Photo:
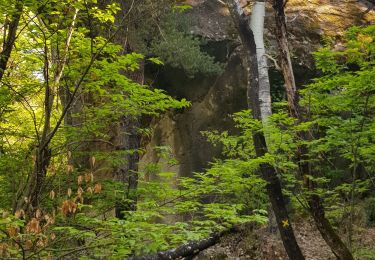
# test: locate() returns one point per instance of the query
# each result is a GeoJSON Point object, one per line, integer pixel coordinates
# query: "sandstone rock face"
{"type": "Point", "coordinates": [215, 98]}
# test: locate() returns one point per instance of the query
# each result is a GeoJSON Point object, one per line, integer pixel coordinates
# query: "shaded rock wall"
{"type": "Point", "coordinates": [213, 100]}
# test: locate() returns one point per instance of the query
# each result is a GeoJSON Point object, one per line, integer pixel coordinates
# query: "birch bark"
{"type": "Point", "coordinates": [257, 26]}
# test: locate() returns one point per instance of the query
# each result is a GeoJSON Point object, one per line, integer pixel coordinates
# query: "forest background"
{"type": "Point", "coordinates": [81, 97]}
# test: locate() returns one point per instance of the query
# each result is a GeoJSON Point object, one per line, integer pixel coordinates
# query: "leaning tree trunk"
{"type": "Point", "coordinates": [316, 207]}
{"type": "Point", "coordinates": [273, 186]}
{"type": "Point", "coordinates": [11, 28]}
{"type": "Point", "coordinates": [257, 26]}
{"type": "Point", "coordinates": [285, 60]}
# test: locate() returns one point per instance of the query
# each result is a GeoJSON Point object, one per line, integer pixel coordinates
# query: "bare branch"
{"type": "Point", "coordinates": [274, 61]}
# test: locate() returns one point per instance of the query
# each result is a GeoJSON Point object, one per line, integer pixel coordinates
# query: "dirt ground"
{"type": "Point", "coordinates": [261, 244]}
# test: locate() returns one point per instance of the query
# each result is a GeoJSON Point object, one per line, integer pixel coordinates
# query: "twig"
{"type": "Point", "coordinates": [274, 61]}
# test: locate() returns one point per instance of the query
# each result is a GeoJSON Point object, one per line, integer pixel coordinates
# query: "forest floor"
{"type": "Point", "coordinates": [261, 244]}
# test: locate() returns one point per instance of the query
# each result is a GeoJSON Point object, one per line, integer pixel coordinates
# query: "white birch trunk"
{"type": "Point", "coordinates": [257, 26]}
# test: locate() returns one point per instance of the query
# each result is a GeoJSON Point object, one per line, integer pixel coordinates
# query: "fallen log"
{"type": "Point", "coordinates": [189, 249]}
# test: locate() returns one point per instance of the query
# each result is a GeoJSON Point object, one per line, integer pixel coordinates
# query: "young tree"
{"type": "Point", "coordinates": [43, 152]}
{"type": "Point", "coordinates": [273, 186]}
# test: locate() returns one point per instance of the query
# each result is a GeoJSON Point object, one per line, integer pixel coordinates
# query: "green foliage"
{"type": "Point", "coordinates": [165, 31]}
{"type": "Point", "coordinates": [182, 8]}
{"type": "Point", "coordinates": [342, 102]}
{"type": "Point", "coordinates": [178, 48]}
{"type": "Point", "coordinates": [341, 107]}
{"type": "Point", "coordinates": [75, 217]}
{"type": "Point", "coordinates": [365, 253]}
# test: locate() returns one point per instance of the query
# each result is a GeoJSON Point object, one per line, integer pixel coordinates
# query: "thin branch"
{"type": "Point", "coordinates": [62, 64]}
{"type": "Point", "coordinates": [84, 248]}
{"type": "Point", "coordinates": [274, 61]}
{"type": "Point", "coordinates": [27, 107]}
{"type": "Point", "coordinates": [77, 86]}
{"type": "Point", "coordinates": [221, 2]}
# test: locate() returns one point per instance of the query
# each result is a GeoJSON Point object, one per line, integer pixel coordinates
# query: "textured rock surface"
{"type": "Point", "coordinates": [213, 102]}
{"type": "Point", "coordinates": [215, 98]}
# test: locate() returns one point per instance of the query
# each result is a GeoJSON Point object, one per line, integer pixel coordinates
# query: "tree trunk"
{"type": "Point", "coordinates": [188, 250]}
{"type": "Point", "coordinates": [285, 60]}
{"type": "Point", "coordinates": [268, 172]}
{"type": "Point", "coordinates": [10, 37]}
{"type": "Point", "coordinates": [315, 202]}
{"type": "Point", "coordinates": [128, 138]}
{"type": "Point", "coordinates": [43, 152]}
{"type": "Point", "coordinates": [257, 26]}
{"type": "Point", "coordinates": [339, 249]}
{"type": "Point", "coordinates": [42, 160]}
